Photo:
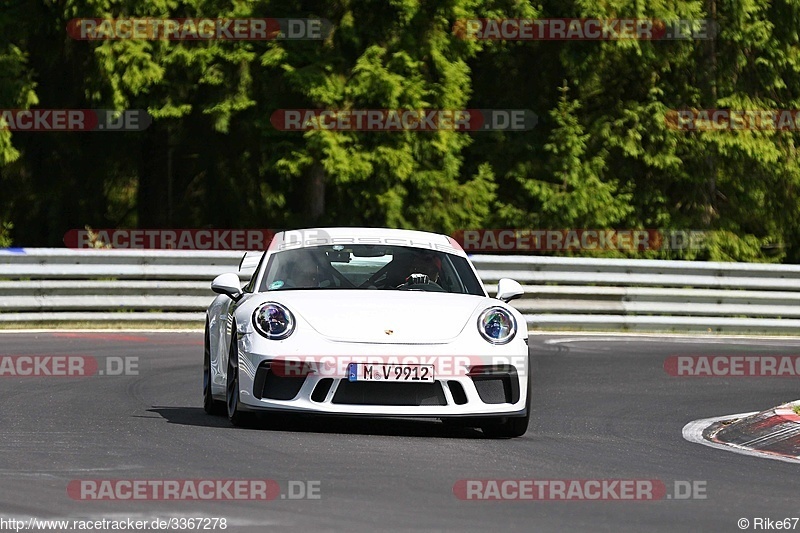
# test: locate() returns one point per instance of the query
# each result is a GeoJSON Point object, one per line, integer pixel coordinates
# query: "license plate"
{"type": "Point", "coordinates": [381, 372]}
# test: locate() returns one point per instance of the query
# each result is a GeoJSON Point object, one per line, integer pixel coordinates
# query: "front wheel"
{"type": "Point", "coordinates": [507, 427]}
{"type": "Point", "coordinates": [210, 405]}
{"type": "Point", "coordinates": [235, 414]}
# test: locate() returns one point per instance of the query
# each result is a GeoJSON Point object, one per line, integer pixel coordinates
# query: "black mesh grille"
{"type": "Point", "coordinates": [493, 390]}
{"type": "Point", "coordinates": [371, 393]}
{"type": "Point", "coordinates": [496, 384]}
{"type": "Point", "coordinates": [272, 387]}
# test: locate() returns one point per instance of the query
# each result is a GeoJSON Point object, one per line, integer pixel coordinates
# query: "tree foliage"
{"type": "Point", "coordinates": [601, 156]}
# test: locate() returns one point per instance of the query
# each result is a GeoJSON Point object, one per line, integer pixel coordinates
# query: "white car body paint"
{"type": "Point", "coordinates": [353, 322]}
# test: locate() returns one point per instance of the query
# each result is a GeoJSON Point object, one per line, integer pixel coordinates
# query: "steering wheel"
{"type": "Point", "coordinates": [426, 286]}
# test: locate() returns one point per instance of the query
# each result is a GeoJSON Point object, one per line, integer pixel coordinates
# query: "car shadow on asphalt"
{"type": "Point", "coordinates": [400, 427]}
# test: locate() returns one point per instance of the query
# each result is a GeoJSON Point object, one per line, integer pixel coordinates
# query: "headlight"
{"type": "Point", "coordinates": [497, 325]}
{"type": "Point", "coordinates": [273, 321]}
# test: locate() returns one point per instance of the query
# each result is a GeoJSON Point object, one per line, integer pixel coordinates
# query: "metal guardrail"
{"type": "Point", "coordinates": [54, 285]}
{"type": "Point", "coordinates": [153, 286]}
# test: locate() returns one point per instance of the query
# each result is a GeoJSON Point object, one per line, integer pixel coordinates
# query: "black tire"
{"type": "Point", "coordinates": [235, 414]}
{"type": "Point", "coordinates": [210, 405]}
{"type": "Point", "coordinates": [509, 427]}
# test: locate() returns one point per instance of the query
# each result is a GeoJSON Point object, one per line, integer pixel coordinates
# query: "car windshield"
{"type": "Point", "coordinates": [364, 266]}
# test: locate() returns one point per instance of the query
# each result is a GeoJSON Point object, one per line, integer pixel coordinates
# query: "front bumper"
{"type": "Point", "coordinates": [494, 383]}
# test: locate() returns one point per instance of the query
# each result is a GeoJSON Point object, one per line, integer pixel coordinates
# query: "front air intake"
{"type": "Point", "coordinates": [371, 393]}
{"type": "Point", "coordinates": [321, 390]}
{"type": "Point", "coordinates": [268, 385]}
{"type": "Point", "coordinates": [459, 396]}
{"type": "Point", "coordinates": [496, 384]}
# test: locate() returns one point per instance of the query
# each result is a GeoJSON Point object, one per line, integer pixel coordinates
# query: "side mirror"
{"type": "Point", "coordinates": [227, 284]}
{"type": "Point", "coordinates": [508, 289]}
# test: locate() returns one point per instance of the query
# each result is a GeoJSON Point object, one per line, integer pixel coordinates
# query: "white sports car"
{"type": "Point", "coordinates": [368, 322]}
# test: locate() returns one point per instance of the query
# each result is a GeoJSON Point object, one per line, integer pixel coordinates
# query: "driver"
{"type": "Point", "coordinates": [424, 268]}
{"type": "Point", "coordinates": [303, 272]}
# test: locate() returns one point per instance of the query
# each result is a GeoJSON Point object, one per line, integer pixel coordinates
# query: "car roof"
{"type": "Point", "coordinates": [306, 238]}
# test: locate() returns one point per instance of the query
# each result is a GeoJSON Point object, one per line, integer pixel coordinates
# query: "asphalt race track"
{"type": "Point", "coordinates": [603, 408]}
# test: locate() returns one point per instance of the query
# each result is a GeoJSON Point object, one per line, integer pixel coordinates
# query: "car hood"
{"type": "Point", "coordinates": [385, 317]}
